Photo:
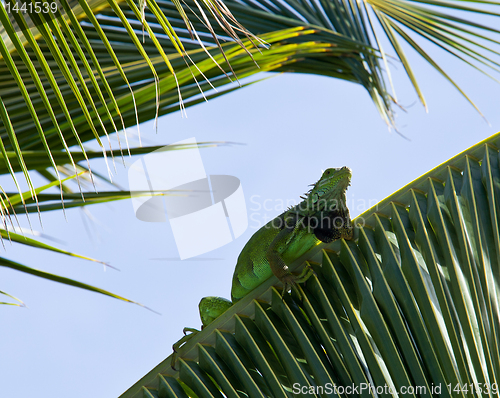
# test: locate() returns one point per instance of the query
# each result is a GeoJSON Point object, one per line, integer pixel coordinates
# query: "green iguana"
{"type": "Point", "coordinates": [321, 217]}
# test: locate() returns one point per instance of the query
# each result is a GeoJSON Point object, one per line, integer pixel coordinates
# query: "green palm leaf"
{"type": "Point", "coordinates": [10, 203]}
{"type": "Point", "coordinates": [48, 64]}
{"type": "Point", "coordinates": [18, 304]}
{"type": "Point", "coordinates": [410, 304]}
{"type": "Point", "coordinates": [37, 201]}
{"type": "Point", "coordinates": [86, 71]}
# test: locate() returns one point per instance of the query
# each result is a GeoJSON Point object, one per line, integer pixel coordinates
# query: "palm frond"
{"type": "Point", "coordinates": [455, 27]}
{"type": "Point", "coordinates": [4, 262]}
{"type": "Point", "coordinates": [57, 96]}
{"type": "Point", "coordinates": [456, 35]}
{"type": "Point", "coordinates": [36, 160]}
{"type": "Point", "coordinates": [125, 80]}
{"type": "Point", "coordinates": [12, 204]}
{"type": "Point", "coordinates": [18, 304]}
{"type": "Point", "coordinates": [409, 306]}
{"type": "Point", "coordinates": [50, 67]}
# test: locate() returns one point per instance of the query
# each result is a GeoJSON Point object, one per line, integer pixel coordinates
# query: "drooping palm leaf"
{"type": "Point", "coordinates": [86, 71]}
{"type": "Point", "coordinates": [37, 160]}
{"type": "Point", "coordinates": [50, 52]}
{"type": "Point", "coordinates": [4, 262]}
{"type": "Point", "coordinates": [47, 202]}
{"type": "Point", "coordinates": [12, 204]}
{"type": "Point", "coordinates": [411, 302]}
{"type": "Point", "coordinates": [9, 204]}
{"type": "Point", "coordinates": [146, 87]}
{"type": "Point", "coordinates": [456, 27]}
{"type": "Point", "coordinates": [18, 304]}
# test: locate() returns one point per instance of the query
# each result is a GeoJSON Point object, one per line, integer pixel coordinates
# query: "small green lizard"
{"type": "Point", "coordinates": [322, 216]}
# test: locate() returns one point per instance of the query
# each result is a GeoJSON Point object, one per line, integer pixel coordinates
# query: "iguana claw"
{"type": "Point", "coordinates": [176, 346]}
{"type": "Point", "coordinates": [289, 280]}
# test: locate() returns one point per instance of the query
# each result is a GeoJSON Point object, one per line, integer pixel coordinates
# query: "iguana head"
{"type": "Point", "coordinates": [324, 210]}
{"type": "Point", "coordinates": [328, 193]}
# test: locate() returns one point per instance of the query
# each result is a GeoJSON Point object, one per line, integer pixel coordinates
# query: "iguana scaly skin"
{"type": "Point", "coordinates": [321, 217]}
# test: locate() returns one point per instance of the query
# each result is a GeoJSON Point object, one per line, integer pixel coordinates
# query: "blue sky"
{"type": "Point", "coordinates": [70, 341]}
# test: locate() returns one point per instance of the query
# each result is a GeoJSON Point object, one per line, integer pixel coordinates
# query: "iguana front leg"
{"type": "Point", "coordinates": [332, 225]}
{"type": "Point", "coordinates": [277, 264]}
